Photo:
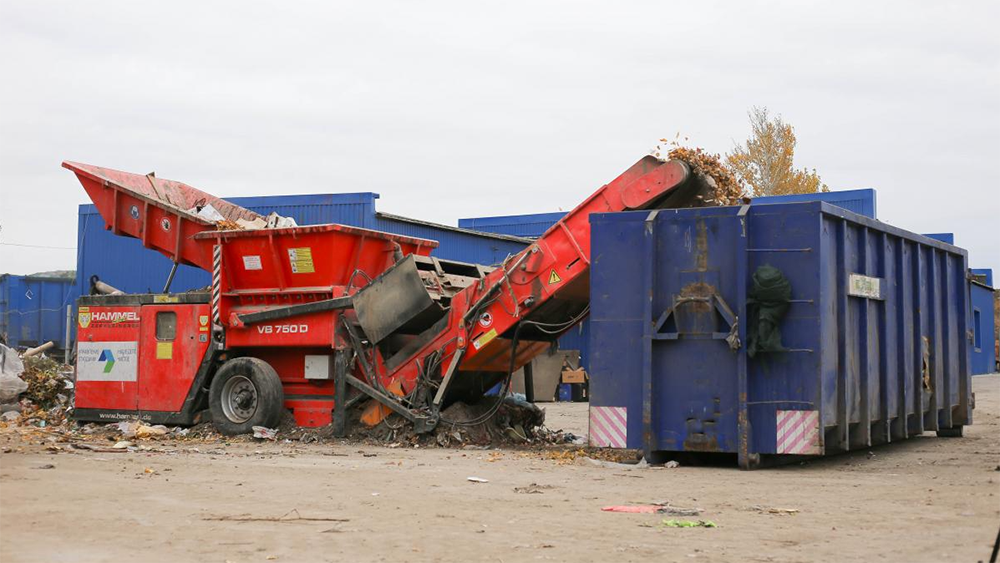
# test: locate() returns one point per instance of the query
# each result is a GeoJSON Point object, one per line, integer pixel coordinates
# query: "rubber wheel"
{"type": "Point", "coordinates": [245, 392]}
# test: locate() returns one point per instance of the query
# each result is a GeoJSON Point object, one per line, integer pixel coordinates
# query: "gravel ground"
{"type": "Point", "coordinates": [926, 499]}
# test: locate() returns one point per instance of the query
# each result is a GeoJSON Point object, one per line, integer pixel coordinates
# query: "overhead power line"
{"type": "Point", "coordinates": [38, 246]}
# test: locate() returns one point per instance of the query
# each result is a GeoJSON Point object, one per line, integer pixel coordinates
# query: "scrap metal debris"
{"type": "Point", "coordinates": [689, 524]}
{"type": "Point", "coordinates": [290, 516]}
{"type": "Point", "coordinates": [532, 489]}
{"type": "Point", "coordinates": [772, 510]}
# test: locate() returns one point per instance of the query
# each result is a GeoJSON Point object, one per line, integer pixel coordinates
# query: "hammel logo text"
{"type": "Point", "coordinates": [86, 317]}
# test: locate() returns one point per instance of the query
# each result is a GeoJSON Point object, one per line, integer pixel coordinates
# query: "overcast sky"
{"type": "Point", "coordinates": [468, 109]}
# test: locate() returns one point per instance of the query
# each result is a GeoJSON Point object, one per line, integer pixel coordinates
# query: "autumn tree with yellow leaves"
{"type": "Point", "coordinates": [764, 163]}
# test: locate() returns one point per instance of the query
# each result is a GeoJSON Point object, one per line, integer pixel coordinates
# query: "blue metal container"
{"type": "Point", "coordinates": [565, 393]}
{"type": "Point", "coordinates": [861, 201]}
{"type": "Point", "coordinates": [874, 334]}
{"type": "Point", "coordinates": [33, 309]}
{"type": "Point", "coordinates": [983, 346]}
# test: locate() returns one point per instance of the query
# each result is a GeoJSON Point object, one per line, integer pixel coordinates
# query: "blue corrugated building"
{"type": "Point", "coordinates": [33, 309]}
{"type": "Point", "coordinates": [947, 238]}
{"type": "Point", "coordinates": [860, 201]}
{"type": "Point", "coordinates": [126, 265]}
{"type": "Point", "coordinates": [984, 352]}
{"type": "Point", "coordinates": [982, 349]}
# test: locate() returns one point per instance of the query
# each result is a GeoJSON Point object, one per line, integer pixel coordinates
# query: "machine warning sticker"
{"type": "Point", "coordinates": [554, 277]}
{"type": "Point", "coordinates": [253, 263]}
{"type": "Point", "coordinates": [107, 361]}
{"type": "Point", "coordinates": [165, 299]}
{"type": "Point", "coordinates": [301, 260]}
{"type": "Point", "coordinates": [485, 320]}
{"type": "Point", "coordinates": [203, 323]}
{"type": "Point", "coordinates": [484, 338]}
{"type": "Point", "coordinates": [164, 350]}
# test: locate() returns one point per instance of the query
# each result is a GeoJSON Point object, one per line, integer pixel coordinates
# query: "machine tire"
{"type": "Point", "coordinates": [244, 393]}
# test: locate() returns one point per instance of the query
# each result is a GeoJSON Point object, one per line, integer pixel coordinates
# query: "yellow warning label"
{"type": "Point", "coordinates": [301, 260]}
{"type": "Point", "coordinates": [165, 299]}
{"type": "Point", "coordinates": [484, 338]}
{"type": "Point", "coordinates": [554, 277]}
{"type": "Point", "coordinates": [164, 350]}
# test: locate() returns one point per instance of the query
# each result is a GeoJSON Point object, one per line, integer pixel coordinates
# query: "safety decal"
{"type": "Point", "coordinates": [203, 322]}
{"type": "Point", "coordinates": [301, 260]}
{"type": "Point", "coordinates": [107, 361]}
{"type": "Point", "coordinates": [252, 262]}
{"type": "Point", "coordinates": [798, 432]}
{"type": "Point", "coordinates": [485, 320]}
{"type": "Point", "coordinates": [554, 277]}
{"type": "Point", "coordinates": [484, 338]}
{"type": "Point", "coordinates": [165, 299]}
{"type": "Point", "coordinates": [608, 427]}
{"type": "Point", "coordinates": [164, 350]}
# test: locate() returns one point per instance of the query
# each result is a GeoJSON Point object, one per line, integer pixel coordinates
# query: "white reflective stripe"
{"type": "Point", "coordinates": [797, 432]}
{"type": "Point", "coordinates": [608, 427]}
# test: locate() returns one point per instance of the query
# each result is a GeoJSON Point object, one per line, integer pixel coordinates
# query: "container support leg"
{"type": "Point", "coordinates": [340, 393]}
{"type": "Point", "coordinates": [529, 383]}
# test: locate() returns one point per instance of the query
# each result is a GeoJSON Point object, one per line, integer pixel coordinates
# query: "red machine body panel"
{"type": "Point", "coordinates": [172, 343]}
{"type": "Point", "coordinates": [156, 211]}
{"type": "Point", "coordinates": [107, 357]}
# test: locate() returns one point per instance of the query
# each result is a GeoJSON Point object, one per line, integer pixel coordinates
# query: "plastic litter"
{"type": "Point", "coordinates": [11, 367]}
{"type": "Point", "coordinates": [660, 508]}
{"type": "Point", "coordinates": [265, 433]}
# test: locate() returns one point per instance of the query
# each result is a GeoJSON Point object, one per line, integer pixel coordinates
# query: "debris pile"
{"type": "Point", "coordinates": [726, 188]}
{"type": "Point", "coordinates": [514, 422]}
{"type": "Point", "coordinates": [34, 389]}
{"type": "Point", "coordinates": [47, 382]}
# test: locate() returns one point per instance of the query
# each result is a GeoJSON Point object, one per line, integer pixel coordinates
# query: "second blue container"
{"type": "Point", "coordinates": [873, 343]}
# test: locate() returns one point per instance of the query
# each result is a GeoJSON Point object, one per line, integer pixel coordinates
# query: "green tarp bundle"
{"type": "Point", "coordinates": [767, 303]}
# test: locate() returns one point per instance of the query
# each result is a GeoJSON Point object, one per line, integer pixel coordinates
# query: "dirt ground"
{"type": "Point", "coordinates": [927, 499]}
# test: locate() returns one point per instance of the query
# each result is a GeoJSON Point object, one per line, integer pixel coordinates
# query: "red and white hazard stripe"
{"type": "Point", "coordinates": [608, 427]}
{"type": "Point", "coordinates": [216, 282]}
{"type": "Point", "coordinates": [798, 432]}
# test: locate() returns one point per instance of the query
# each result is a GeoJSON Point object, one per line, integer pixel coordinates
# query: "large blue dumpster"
{"type": "Point", "coordinates": [872, 344]}
{"type": "Point", "coordinates": [33, 309]}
